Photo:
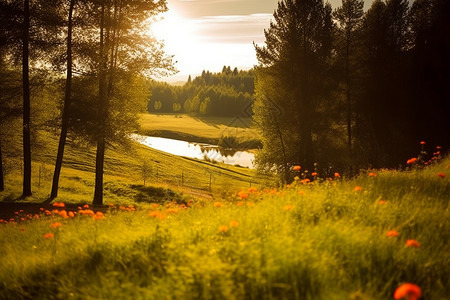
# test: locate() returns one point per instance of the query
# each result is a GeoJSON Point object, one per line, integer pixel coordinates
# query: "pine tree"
{"type": "Point", "coordinates": [295, 58]}
{"type": "Point", "coordinates": [349, 18]}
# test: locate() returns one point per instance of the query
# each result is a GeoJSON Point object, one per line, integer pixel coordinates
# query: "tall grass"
{"type": "Point", "coordinates": [325, 240]}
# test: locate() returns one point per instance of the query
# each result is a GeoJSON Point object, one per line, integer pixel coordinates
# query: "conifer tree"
{"type": "Point", "coordinates": [296, 57]}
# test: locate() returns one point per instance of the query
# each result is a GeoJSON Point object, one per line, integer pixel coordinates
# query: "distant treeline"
{"type": "Point", "coordinates": [228, 93]}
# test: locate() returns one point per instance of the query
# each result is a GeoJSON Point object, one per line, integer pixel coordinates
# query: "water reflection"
{"type": "Point", "coordinates": [197, 150]}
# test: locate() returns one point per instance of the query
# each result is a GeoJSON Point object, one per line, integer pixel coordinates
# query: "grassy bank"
{"type": "Point", "coordinates": [126, 171]}
{"type": "Point", "coordinates": [229, 132]}
{"type": "Point", "coordinates": [327, 240]}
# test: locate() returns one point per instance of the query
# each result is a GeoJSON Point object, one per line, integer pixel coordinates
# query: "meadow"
{"type": "Point", "coordinates": [211, 130]}
{"type": "Point", "coordinates": [333, 238]}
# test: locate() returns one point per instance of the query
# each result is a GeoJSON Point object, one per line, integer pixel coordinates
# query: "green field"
{"type": "Point", "coordinates": [200, 129]}
{"type": "Point", "coordinates": [126, 168]}
{"type": "Point", "coordinates": [321, 240]}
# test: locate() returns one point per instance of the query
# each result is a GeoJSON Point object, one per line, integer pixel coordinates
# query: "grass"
{"type": "Point", "coordinates": [321, 240]}
{"type": "Point", "coordinates": [125, 171]}
{"type": "Point", "coordinates": [210, 130]}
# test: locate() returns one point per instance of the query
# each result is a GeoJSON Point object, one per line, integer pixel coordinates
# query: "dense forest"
{"type": "Point", "coordinates": [346, 89]}
{"type": "Point", "coordinates": [228, 93]}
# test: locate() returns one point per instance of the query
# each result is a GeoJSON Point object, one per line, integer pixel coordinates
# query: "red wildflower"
{"type": "Point", "coordinates": [243, 195]}
{"type": "Point", "coordinates": [252, 189]}
{"type": "Point", "coordinates": [55, 225]}
{"type": "Point", "coordinates": [442, 175]}
{"type": "Point", "coordinates": [357, 188]}
{"type": "Point", "coordinates": [422, 143]}
{"type": "Point", "coordinates": [392, 233]}
{"type": "Point", "coordinates": [411, 161]}
{"type": "Point", "coordinates": [48, 235]}
{"type": "Point", "coordinates": [98, 215]}
{"type": "Point", "coordinates": [412, 244]}
{"type": "Point", "coordinates": [409, 291]}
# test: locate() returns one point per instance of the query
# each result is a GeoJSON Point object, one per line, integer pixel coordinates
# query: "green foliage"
{"type": "Point", "coordinates": [229, 93]}
{"type": "Point", "coordinates": [322, 240]}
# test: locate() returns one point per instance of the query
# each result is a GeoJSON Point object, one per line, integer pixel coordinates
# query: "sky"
{"type": "Point", "coordinates": [210, 34]}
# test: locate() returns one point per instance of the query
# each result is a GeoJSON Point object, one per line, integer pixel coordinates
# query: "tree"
{"type": "Point", "coordinates": [349, 17]}
{"type": "Point", "coordinates": [66, 108]}
{"type": "Point", "coordinates": [386, 82]}
{"type": "Point", "coordinates": [430, 26]}
{"type": "Point", "coordinates": [295, 60]}
{"type": "Point", "coordinates": [123, 51]}
{"type": "Point", "coordinates": [26, 101]}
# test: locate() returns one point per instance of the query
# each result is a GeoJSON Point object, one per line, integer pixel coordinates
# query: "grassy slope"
{"type": "Point", "coordinates": [321, 241]}
{"type": "Point", "coordinates": [123, 174]}
{"type": "Point", "coordinates": [198, 129]}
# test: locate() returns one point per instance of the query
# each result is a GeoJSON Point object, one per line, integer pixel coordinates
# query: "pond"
{"type": "Point", "coordinates": [197, 150]}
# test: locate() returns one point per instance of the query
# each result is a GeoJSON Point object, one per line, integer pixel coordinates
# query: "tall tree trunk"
{"type": "Point", "coordinates": [349, 105]}
{"type": "Point", "coordinates": [66, 110]}
{"type": "Point", "coordinates": [2, 183]}
{"type": "Point", "coordinates": [102, 113]}
{"type": "Point", "coordinates": [26, 102]}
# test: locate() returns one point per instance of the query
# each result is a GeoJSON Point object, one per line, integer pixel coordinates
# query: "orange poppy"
{"type": "Point", "coordinates": [55, 225]}
{"type": "Point", "coordinates": [409, 291]}
{"type": "Point", "coordinates": [223, 228]}
{"type": "Point", "coordinates": [243, 195]}
{"type": "Point", "coordinates": [412, 244]}
{"type": "Point", "coordinates": [234, 223]}
{"type": "Point", "coordinates": [371, 174]}
{"type": "Point", "coordinates": [392, 233]}
{"type": "Point", "coordinates": [296, 168]}
{"type": "Point", "coordinates": [48, 235]}
{"type": "Point", "coordinates": [337, 175]}
{"type": "Point", "coordinates": [442, 175]}
{"type": "Point", "coordinates": [357, 188]}
{"type": "Point", "coordinates": [252, 189]}
{"type": "Point", "coordinates": [98, 215]}
{"type": "Point", "coordinates": [411, 161]}
{"type": "Point", "coordinates": [314, 174]}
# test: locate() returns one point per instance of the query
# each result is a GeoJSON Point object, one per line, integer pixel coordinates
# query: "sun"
{"type": "Point", "coordinates": [180, 38]}
{"type": "Point", "coordinates": [169, 27]}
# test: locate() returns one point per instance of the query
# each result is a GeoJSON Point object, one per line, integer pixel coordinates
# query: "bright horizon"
{"type": "Point", "coordinates": [210, 34]}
